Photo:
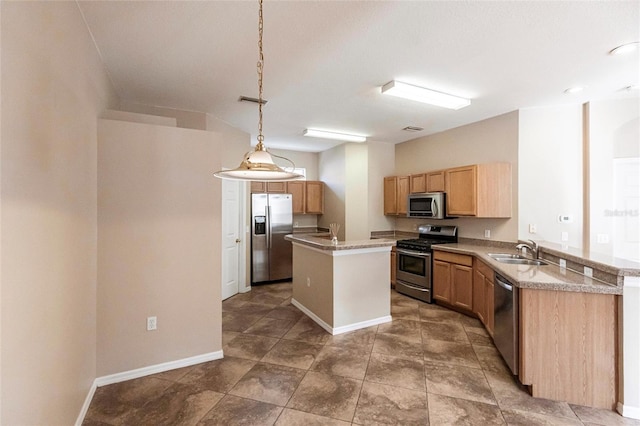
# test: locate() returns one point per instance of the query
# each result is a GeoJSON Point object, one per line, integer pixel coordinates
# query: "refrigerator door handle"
{"type": "Point", "coordinates": [268, 230]}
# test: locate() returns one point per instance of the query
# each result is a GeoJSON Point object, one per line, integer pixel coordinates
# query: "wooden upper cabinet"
{"type": "Point", "coordinates": [480, 190]}
{"type": "Point", "coordinates": [390, 197]}
{"type": "Point", "coordinates": [435, 181]}
{"type": "Point", "coordinates": [276, 187]}
{"type": "Point", "coordinates": [314, 197]}
{"type": "Point", "coordinates": [297, 190]}
{"type": "Point", "coordinates": [257, 187]}
{"type": "Point", "coordinates": [396, 190]}
{"type": "Point", "coordinates": [418, 183]}
{"type": "Point", "coordinates": [402, 193]}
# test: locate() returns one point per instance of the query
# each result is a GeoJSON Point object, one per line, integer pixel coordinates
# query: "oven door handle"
{"type": "Point", "coordinates": [414, 287]}
{"type": "Point", "coordinates": [412, 253]}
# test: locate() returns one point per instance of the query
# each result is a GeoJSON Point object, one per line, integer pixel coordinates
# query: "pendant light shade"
{"type": "Point", "coordinates": [258, 165]}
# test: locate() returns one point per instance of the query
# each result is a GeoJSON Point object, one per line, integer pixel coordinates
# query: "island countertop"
{"type": "Point", "coordinates": [547, 277]}
{"type": "Point", "coordinates": [322, 241]}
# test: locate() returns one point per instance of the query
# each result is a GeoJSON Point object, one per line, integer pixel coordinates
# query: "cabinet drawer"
{"type": "Point", "coordinates": [459, 259]}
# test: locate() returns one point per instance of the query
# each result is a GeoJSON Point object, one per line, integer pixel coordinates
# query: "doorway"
{"type": "Point", "coordinates": [233, 242]}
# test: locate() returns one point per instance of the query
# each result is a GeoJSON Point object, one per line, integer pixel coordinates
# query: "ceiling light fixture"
{"type": "Point", "coordinates": [258, 164]}
{"type": "Point", "coordinates": [625, 48]}
{"type": "Point", "coordinates": [427, 96]}
{"type": "Point", "coordinates": [573, 90]}
{"type": "Point", "coordinates": [314, 133]}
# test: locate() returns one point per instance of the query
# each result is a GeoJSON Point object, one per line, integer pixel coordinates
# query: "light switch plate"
{"type": "Point", "coordinates": [563, 263]}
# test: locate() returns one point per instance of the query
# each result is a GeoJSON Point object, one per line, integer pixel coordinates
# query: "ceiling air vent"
{"type": "Point", "coordinates": [413, 129]}
{"type": "Point", "coordinates": [253, 100]}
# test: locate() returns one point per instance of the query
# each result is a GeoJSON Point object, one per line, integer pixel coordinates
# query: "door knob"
{"type": "Point", "coordinates": [238, 240]}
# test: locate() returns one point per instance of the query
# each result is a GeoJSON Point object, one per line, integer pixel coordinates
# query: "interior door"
{"type": "Point", "coordinates": [230, 237]}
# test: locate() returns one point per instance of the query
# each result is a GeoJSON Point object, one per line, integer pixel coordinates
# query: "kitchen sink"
{"type": "Point", "coordinates": [516, 259]}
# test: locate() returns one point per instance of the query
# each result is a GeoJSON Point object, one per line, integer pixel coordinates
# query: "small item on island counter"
{"type": "Point", "coordinates": [333, 231]}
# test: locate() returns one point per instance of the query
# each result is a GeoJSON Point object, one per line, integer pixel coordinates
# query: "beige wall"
{"type": "Point", "coordinates": [550, 173]}
{"type": "Point", "coordinates": [331, 170]}
{"type": "Point", "coordinates": [356, 221]}
{"type": "Point", "coordinates": [491, 140]}
{"type": "Point", "coordinates": [381, 163]}
{"type": "Point", "coordinates": [158, 221]}
{"type": "Point", "coordinates": [317, 295]}
{"type": "Point", "coordinates": [185, 119]}
{"type": "Point", "coordinates": [53, 88]}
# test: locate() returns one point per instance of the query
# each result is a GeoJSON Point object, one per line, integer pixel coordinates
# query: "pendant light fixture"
{"type": "Point", "coordinates": [258, 164]}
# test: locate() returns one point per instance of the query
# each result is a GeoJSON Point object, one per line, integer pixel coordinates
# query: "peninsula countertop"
{"type": "Point", "coordinates": [322, 241]}
{"type": "Point", "coordinates": [546, 277]}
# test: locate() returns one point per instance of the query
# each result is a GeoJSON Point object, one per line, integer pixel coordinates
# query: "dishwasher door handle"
{"type": "Point", "coordinates": [504, 285]}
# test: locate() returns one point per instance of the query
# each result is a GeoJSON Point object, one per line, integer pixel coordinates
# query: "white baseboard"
{"type": "Point", "coordinates": [341, 329]}
{"type": "Point", "coordinates": [628, 411]}
{"type": "Point", "coordinates": [158, 368]}
{"type": "Point", "coordinates": [85, 406]}
{"type": "Point", "coordinates": [362, 324]}
{"type": "Point", "coordinates": [141, 372]}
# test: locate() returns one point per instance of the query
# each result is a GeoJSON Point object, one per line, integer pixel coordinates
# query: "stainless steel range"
{"type": "Point", "coordinates": [414, 264]}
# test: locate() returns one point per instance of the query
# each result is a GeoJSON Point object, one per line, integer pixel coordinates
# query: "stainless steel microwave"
{"type": "Point", "coordinates": [428, 204]}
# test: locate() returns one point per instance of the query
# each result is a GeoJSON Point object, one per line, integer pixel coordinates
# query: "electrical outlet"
{"type": "Point", "coordinates": [487, 233]}
{"type": "Point", "coordinates": [308, 282]}
{"type": "Point", "coordinates": [295, 224]}
{"type": "Point", "coordinates": [533, 228]}
{"type": "Point", "coordinates": [563, 263]}
{"type": "Point", "coordinates": [588, 272]}
{"type": "Point", "coordinates": [603, 238]}
{"type": "Point", "coordinates": [152, 323]}
{"type": "Point", "coordinates": [564, 236]}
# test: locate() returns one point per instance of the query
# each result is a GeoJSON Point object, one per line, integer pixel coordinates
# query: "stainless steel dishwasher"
{"type": "Point", "coordinates": [506, 321]}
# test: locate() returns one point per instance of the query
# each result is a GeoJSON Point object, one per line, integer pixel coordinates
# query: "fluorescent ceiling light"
{"type": "Point", "coordinates": [421, 94]}
{"type": "Point", "coordinates": [572, 90]}
{"type": "Point", "coordinates": [625, 48]}
{"type": "Point", "coordinates": [334, 135]}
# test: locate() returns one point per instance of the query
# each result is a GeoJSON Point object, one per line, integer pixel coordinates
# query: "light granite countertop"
{"type": "Point", "coordinates": [321, 241]}
{"type": "Point", "coordinates": [546, 277]}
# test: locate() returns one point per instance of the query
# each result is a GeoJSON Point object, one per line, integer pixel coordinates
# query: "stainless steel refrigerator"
{"type": "Point", "coordinates": [271, 254]}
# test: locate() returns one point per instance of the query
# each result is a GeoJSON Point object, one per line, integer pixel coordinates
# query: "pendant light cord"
{"type": "Point", "coordinates": [260, 146]}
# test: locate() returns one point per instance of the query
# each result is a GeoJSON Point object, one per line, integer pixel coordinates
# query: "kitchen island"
{"type": "Point", "coordinates": [343, 286]}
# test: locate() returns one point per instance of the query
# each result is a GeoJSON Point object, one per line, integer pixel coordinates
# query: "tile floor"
{"type": "Point", "coordinates": [429, 366]}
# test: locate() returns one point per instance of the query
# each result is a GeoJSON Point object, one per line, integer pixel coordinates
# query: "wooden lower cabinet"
{"type": "Point", "coordinates": [483, 294]}
{"type": "Point", "coordinates": [453, 279]}
{"type": "Point", "coordinates": [394, 260]}
{"type": "Point", "coordinates": [568, 346]}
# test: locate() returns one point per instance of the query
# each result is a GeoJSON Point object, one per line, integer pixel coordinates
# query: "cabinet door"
{"type": "Point", "coordinates": [258, 187]}
{"type": "Point", "coordinates": [393, 266]}
{"type": "Point", "coordinates": [314, 199]}
{"type": "Point", "coordinates": [390, 197]}
{"type": "Point", "coordinates": [435, 181]}
{"type": "Point", "coordinates": [297, 191]}
{"type": "Point", "coordinates": [280, 187]}
{"type": "Point", "coordinates": [488, 283]}
{"type": "Point", "coordinates": [418, 183]}
{"type": "Point", "coordinates": [442, 281]}
{"type": "Point", "coordinates": [479, 298]}
{"type": "Point", "coordinates": [402, 193]}
{"type": "Point", "coordinates": [462, 286]}
{"type": "Point", "coordinates": [461, 185]}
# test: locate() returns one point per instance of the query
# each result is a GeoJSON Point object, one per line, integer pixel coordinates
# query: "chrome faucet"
{"type": "Point", "coordinates": [532, 246]}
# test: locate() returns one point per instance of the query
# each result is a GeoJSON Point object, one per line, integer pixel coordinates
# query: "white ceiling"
{"type": "Point", "coordinates": [326, 60]}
